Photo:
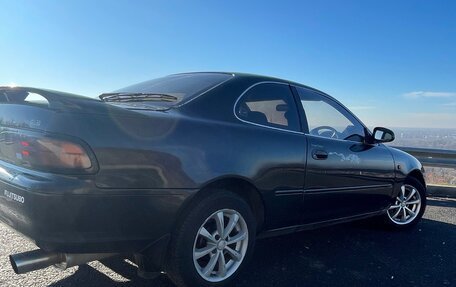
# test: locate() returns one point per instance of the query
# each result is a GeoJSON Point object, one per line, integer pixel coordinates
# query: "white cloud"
{"type": "Point", "coordinates": [423, 94]}
{"type": "Point", "coordinates": [453, 104]}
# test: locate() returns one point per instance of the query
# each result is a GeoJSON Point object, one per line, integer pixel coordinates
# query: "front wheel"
{"type": "Point", "coordinates": [213, 242]}
{"type": "Point", "coordinates": [409, 205]}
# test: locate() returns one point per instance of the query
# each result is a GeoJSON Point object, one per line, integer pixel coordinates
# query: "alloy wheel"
{"type": "Point", "coordinates": [406, 206]}
{"type": "Point", "coordinates": [220, 245]}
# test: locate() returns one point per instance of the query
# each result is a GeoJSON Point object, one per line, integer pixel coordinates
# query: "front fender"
{"type": "Point", "coordinates": [404, 166]}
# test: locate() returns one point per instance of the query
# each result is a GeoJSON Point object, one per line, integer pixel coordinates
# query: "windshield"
{"type": "Point", "coordinates": [172, 90]}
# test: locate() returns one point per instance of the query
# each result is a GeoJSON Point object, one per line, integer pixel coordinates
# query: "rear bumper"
{"type": "Point", "coordinates": [70, 214]}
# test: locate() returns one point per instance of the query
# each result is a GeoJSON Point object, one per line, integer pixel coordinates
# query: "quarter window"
{"type": "Point", "coordinates": [271, 105]}
{"type": "Point", "coordinates": [326, 118]}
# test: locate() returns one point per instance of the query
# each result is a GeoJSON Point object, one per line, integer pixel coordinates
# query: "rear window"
{"type": "Point", "coordinates": [182, 86]}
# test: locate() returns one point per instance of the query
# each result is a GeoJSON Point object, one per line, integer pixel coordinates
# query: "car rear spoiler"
{"type": "Point", "coordinates": [44, 97]}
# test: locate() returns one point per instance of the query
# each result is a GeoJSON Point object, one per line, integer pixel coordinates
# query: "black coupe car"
{"type": "Point", "coordinates": [184, 172]}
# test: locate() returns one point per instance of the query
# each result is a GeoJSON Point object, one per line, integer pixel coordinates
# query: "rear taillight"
{"type": "Point", "coordinates": [47, 153]}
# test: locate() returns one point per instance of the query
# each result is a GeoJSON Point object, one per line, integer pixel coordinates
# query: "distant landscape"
{"type": "Point", "coordinates": [426, 138]}
{"type": "Point", "coordinates": [430, 138]}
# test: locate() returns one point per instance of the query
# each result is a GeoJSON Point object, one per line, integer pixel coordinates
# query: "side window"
{"type": "Point", "coordinates": [270, 105]}
{"type": "Point", "coordinates": [327, 118]}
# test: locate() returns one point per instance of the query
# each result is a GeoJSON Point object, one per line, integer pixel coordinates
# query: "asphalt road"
{"type": "Point", "coordinates": [355, 254]}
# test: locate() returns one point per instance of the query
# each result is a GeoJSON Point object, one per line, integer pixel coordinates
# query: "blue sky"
{"type": "Point", "coordinates": [392, 62]}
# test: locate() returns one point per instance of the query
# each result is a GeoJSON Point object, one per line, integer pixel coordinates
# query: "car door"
{"type": "Point", "coordinates": [344, 176]}
{"type": "Point", "coordinates": [274, 144]}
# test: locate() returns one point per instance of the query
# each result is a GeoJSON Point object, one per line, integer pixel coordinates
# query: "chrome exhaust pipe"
{"type": "Point", "coordinates": [39, 259]}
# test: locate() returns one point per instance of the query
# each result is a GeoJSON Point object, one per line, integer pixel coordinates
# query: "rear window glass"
{"type": "Point", "coordinates": [181, 86]}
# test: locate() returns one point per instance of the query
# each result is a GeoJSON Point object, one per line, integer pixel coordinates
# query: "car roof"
{"type": "Point", "coordinates": [259, 78]}
{"type": "Point", "coordinates": [262, 78]}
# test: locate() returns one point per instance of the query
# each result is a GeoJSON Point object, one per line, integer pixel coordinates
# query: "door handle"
{"type": "Point", "coordinates": [319, 154]}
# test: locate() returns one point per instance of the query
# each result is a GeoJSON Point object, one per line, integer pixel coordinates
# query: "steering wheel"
{"type": "Point", "coordinates": [325, 131]}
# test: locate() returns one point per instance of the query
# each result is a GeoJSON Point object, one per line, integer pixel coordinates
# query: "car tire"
{"type": "Point", "coordinates": [189, 260]}
{"type": "Point", "coordinates": [409, 206]}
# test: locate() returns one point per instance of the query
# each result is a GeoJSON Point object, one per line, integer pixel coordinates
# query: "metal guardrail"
{"type": "Point", "coordinates": [435, 158]}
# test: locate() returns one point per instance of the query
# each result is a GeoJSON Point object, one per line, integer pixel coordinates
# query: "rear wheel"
{"type": "Point", "coordinates": [213, 242]}
{"type": "Point", "coordinates": [409, 205]}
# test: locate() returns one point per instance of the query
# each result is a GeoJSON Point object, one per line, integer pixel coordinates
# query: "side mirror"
{"type": "Point", "coordinates": [382, 135]}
